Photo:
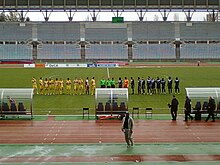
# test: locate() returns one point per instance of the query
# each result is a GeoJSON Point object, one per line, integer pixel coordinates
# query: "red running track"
{"type": "Point", "coordinates": [51, 131]}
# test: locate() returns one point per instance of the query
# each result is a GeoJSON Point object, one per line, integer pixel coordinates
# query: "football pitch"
{"type": "Point", "coordinates": [72, 104]}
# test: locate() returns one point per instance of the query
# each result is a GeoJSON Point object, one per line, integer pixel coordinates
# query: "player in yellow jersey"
{"type": "Point", "coordinates": [61, 86]}
{"type": "Point", "coordinates": [34, 85]}
{"type": "Point", "coordinates": [46, 86]}
{"type": "Point", "coordinates": [81, 86]}
{"type": "Point", "coordinates": [41, 85]}
{"type": "Point", "coordinates": [51, 86]}
{"type": "Point", "coordinates": [93, 86]}
{"type": "Point", "coordinates": [68, 86]}
{"type": "Point", "coordinates": [56, 86]}
{"type": "Point", "coordinates": [75, 86]}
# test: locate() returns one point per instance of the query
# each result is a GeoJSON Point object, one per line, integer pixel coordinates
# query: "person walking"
{"type": "Point", "coordinates": [127, 128]}
{"type": "Point", "coordinates": [174, 108]}
{"type": "Point", "coordinates": [211, 109]}
{"type": "Point", "coordinates": [187, 109]}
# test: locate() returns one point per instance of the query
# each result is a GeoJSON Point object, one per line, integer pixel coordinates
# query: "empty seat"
{"type": "Point", "coordinates": [107, 106]}
{"type": "Point", "coordinates": [100, 107]}
{"type": "Point", "coordinates": [205, 105]}
{"type": "Point", "coordinates": [21, 108]}
{"type": "Point", "coordinates": [122, 106]}
{"type": "Point", "coordinates": [85, 112]}
{"type": "Point", "coordinates": [5, 107]}
{"type": "Point", "coordinates": [148, 112]}
{"type": "Point", "coordinates": [198, 106]}
{"type": "Point", "coordinates": [114, 106]}
{"type": "Point", "coordinates": [135, 111]}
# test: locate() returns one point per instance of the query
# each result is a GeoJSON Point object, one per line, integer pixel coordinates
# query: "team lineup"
{"type": "Point", "coordinates": [78, 86]}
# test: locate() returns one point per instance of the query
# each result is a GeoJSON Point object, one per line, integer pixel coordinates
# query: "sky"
{"type": "Point", "coordinates": [107, 16]}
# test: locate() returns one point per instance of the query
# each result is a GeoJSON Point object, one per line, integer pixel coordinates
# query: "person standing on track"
{"type": "Point", "coordinates": [127, 128]}
{"type": "Point", "coordinates": [174, 108]}
{"type": "Point", "coordinates": [187, 109]}
{"type": "Point", "coordinates": [211, 109]}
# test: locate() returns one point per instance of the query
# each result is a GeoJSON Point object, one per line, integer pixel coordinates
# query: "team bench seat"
{"type": "Point", "coordinates": [200, 110]}
{"type": "Point", "coordinates": [14, 110]}
{"type": "Point", "coordinates": [110, 114]}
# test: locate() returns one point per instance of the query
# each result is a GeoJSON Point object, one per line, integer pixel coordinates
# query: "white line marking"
{"type": "Point", "coordinates": [108, 72]}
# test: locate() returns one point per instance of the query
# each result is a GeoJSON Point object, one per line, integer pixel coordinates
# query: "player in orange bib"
{"type": "Point", "coordinates": [126, 83]}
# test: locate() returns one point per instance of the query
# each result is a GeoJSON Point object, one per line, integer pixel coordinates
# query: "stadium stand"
{"type": "Point", "coordinates": [106, 51]}
{"type": "Point", "coordinates": [12, 31]}
{"type": "Point", "coordinates": [15, 52]}
{"type": "Point", "coordinates": [200, 51]}
{"type": "Point", "coordinates": [153, 51]}
{"type": "Point", "coordinates": [59, 51]}
{"type": "Point", "coordinates": [106, 34]}
{"type": "Point", "coordinates": [58, 32]}
{"type": "Point", "coordinates": [142, 31]}
{"type": "Point", "coordinates": [199, 31]}
{"type": "Point", "coordinates": [85, 41]}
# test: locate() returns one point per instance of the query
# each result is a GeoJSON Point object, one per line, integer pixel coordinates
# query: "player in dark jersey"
{"type": "Point", "coordinates": [158, 84]}
{"type": "Point", "coordinates": [177, 88]}
{"type": "Point", "coordinates": [139, 85]}
{"type": "Point", "coordinates": [149, 85]}
{"type": "Point", "coordinates": [163, 84]}
{"type": "Point", "coordinates": [143, 85]}
{"type": "Point", "coordinates": [120, 82]}
{"type": "Point", "coordinates": [170, 85]}
{"type": "Point", "coordinates": [153, 82]}
{"type": "Point", "coordinates": [132, 85]}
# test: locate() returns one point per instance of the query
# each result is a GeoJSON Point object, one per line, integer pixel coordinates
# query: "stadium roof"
{"type": "Point", "coordinates": [109, 5]}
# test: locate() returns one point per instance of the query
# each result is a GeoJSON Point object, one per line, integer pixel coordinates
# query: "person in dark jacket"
{"type": "Point", "coordinates": [211, 109]}
{"type": "Point", "coordinates": [127, 128]}
{"type": "Point", "coordinates": [187, 109]}
{"type": "Point", "coordinates": [174, 108]}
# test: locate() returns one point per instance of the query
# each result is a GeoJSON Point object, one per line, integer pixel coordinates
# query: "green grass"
{"type": "Point", "coordinates": [65, 104]}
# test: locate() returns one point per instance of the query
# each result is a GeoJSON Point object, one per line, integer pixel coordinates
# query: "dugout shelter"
{"type": "Point", "coordinates": [16, 102]}
{"type": "Point", "coordinates": [200, 97]}
{"type": "Point", "coordinates": [111, 102]}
